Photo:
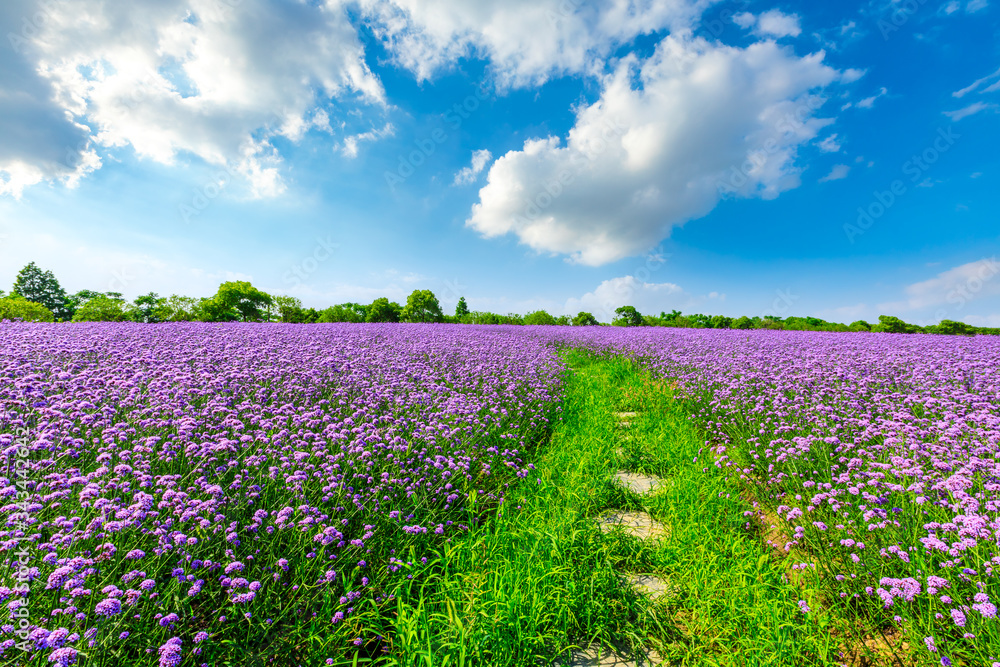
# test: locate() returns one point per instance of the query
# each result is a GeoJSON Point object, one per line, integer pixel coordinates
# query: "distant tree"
{"type": "Point", "coordinates": [539, 317]}
{"type": "Point", "coordinates": [150, 308]}
{"type": "Point", "coordinates": [953, 328]}
{"type": "Point", "coordinates": [721, 322]}
{"type": "Point", "coordinates": [40, 286]}
{"type": "Point", "coordinates": [669, 319]}
{"type": "Point", "coordinates": [563, 320]}
{"type": "Point", "coordinates": [181, 308]}
{"type": "Point", "coordinates": [422, 306]}
{"type": "Point", "coordinates": [342, 312]}
{"type": "Point", "coordinates": [891, 324]}
{"type": "Point", "coordinates": [16, 307]}
{"type": "Point", "coordinates": [238, 300]}
{"type": "Point", "coordinates": [743, 322]}
{"type": "Point", "coordinates": [75, 301]}
{"type": "Point", "coordinates": [584, 319]}
{"type": "Point", "coordinates": [102, 308]}
{"type": "Point", "coordinates": [860, 325]}
{"type": "Point", "coordinates": [462, 309]}
{"type": "Point", "coordinates": [383, 310]}
{"type": "Point", "coordinates": [628, 316]}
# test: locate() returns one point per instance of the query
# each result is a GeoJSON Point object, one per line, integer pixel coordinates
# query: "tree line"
{"type": "Point", "coordinates": [38, 297]}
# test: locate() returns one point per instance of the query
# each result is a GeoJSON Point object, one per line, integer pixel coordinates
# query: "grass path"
{"type": "Point", "coordinates": [539, 580]}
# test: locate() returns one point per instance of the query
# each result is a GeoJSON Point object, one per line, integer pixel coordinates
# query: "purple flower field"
{"type": "Point", "coordinates": [167, 486]}
{"type": "Point", "coordinates": [880, 452]}
{"type": "Point", "coordinates": [172, 481]}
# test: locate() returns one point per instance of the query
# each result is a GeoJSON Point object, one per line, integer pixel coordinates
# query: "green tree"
{"type": "Point", "coordinates": [102, 308]}
{"type": "Point", "coordinates": [584, 319]}
{"type": "Point", "coordinates": [890, 324]}
{"type": "Point", "coordinates": [743, 322]}
{"type": "Point", "coordinates": [150, 308]}
{"type": "Point", "coordinates": [628, 316]}
{"type": "Point", "coordinates": [238, 300]}
{"type": "Point", "coordinates": [953, 328]}
{"type": "Point", "coordinates": [539, 317]}
{"type": "Point", "coordinates": [860, 325]}
{"type": "Point", "coordinates": [383, 310]}
{"type": "Point", "coordinates": [40, 286]}
{"type": "Point", "coordinates": [462, 309]}
{"type": "Point", "coordinates": [16, 307]}
{"type": "Point", "coordinates": [422, 306]}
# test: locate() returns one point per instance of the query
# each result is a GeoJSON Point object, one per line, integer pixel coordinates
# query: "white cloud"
{"type": "Point", "coordinates": [771, 23]}
{"type": "Point", "coordinates": [995, 76]}
{"type": "Point", "coordinates": [830, 144]}
{"type": "Point", "coordinates": [974, 6]}
{"type": "Point", "coordinates": [708, 119]}
{"type": "Point", "coordinates": [526, 41]}
{"type": "Point", "coordinates": [646, 297]}
{"type": "Point", "coordinates": [956, 286]}
{"type": "Point", "coordinates": [350, 147]}
{"type": "Point", "coordinates": [838, 172]}
{"type": "Point", "coordinates": [468, 174]}
{"type": "Point", "coordinates": [211, 79]}
{"type": "Point", "coordinates": [869, 102]}
{"type": "Point", "coordinates": [970, 110]}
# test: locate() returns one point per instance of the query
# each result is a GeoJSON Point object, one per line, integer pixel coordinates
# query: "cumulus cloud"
{"type": "Point", "coordinates": [526, 41]}
{"type": "Point", "coordinates": [771, 23]}
{"type": "Point", "coordinates": [667, 139]}
{"type": "Point", "coordinates": [468, 174]}
{"type": "Point", "coordinates": [838, 172]}
{"type": "Point", "coordinates": [212, 79]}
{"type": "Point", "coordinates": [829, 144]}
{"type": "Point", "coordinates": [646, 297]}
{"type": "Point", "coordinates": [956, 286]}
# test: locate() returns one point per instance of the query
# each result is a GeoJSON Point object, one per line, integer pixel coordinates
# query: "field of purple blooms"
{"type": "Point", "coordinates": [880, 453]}
{"type": "Point", "coordinates": [172, 492]}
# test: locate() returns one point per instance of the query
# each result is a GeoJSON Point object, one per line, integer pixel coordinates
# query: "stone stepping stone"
{"type": "Point", "coordinates": [653, 586]}
{"type": "Point", "coordinates": [637, 524]}
{"type": "Point", "coordinates": [637, 482]}
{"type": "Point", "coordinates": [601, 656]}
{"type": "Point", "coordinates": [626, 415]}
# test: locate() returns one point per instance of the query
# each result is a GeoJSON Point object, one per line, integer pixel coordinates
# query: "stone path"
{"type": "Point", "coordinates": [644, 527]}
{"type": "Point", "coordinates": [637, 524]}
{"type": "Point", "coordinates": [597, 656]}
{"type": "Point", "coordinates": [637, 482]}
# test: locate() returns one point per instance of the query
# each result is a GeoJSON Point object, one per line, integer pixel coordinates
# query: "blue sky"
{"type": "Point", "coordinates": [833, 159]}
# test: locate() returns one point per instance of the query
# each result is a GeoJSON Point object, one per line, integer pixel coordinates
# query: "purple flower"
{"type": "Point", "coordinates": [108, 607]}
{"type": "Point", "coordinates": [170, 653]}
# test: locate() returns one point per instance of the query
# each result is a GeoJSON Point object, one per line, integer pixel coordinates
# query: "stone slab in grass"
{"type": "Point", "coordinates": [638, 524]}
{"type": "Point", "coordinates": [626, 415]}
{"type": "Point", "coordinates": [653, 586]}
{"type": "Point", "coordinates": [600, 656]}
{"type": "Point", "coordinates": [637, 482]}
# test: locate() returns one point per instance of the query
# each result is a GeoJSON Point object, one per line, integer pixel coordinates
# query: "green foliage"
{"type": "Point", "coordinates": [539, 317]}
{"type": "Point", "coordinates": [743, 322]}
{"type": "Point", "coordinates": [628, 316]}
{"type": "Point", "coordinates": [40, 286]}
{"type": "Point", "coordinates": [344, 312]}
{"type": "Point", "coordinates": [952, 328]}
{"type": "Point", "coordinates": [422, 306]}
{"type": "Point", "coordinates": [860, 325]}
{"type": "Point", "coordinates": [237, 300]}
{"type": "Point", "coordinates": [383, 310]}
{"type": "Point", "coordinates": [16, 307]}
{"type": "Point", "coordinates": [462, 309]}
{"type": "Point", "coordinates": [102, 308]}
{"type": "Point", "coordinates": [150, 308]}
{"type": "Point", "coordinates": [584, 319]}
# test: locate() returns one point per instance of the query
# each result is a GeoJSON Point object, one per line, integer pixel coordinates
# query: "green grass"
{"type": "Point", "coordinates": [537, 578]}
